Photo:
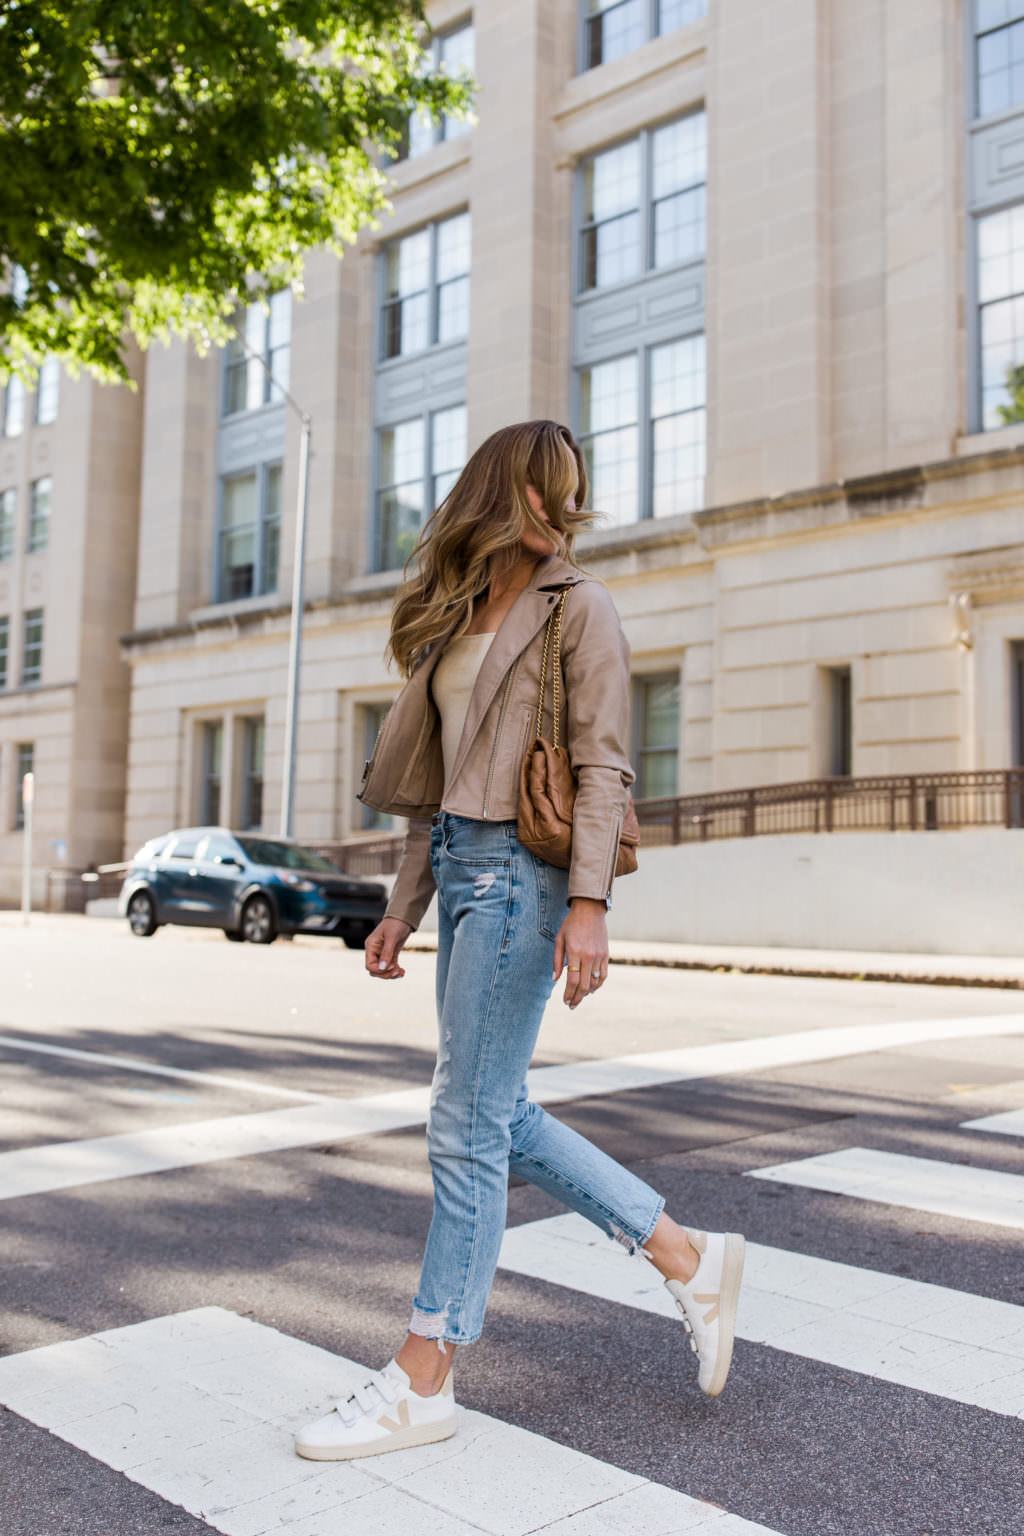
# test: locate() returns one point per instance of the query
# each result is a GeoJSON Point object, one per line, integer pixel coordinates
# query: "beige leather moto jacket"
{"type": "Point", "coordinates": [406, 774]}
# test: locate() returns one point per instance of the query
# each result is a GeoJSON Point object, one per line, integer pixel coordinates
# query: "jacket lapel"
{"type": "Point", "coordinates": [527, 616]}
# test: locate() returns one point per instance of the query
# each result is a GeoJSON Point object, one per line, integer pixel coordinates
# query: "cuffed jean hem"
{"type": "Point", "coordinates": [630, 1240]}
{"type": "Point", "coordinates": [434, 1325]}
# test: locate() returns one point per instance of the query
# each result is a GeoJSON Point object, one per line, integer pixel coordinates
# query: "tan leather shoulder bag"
{"type": "Point", "coordinates": [547, 784]}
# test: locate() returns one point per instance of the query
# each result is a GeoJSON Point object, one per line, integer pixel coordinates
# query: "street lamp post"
{"type": "Point", "coordinates": [291, 718]}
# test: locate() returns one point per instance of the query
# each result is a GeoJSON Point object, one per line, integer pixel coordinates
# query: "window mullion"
{"type": "Point", "coordinates": [428, 467]}
{"type": "Point", "coordinates": [645, 435]}
{"type": "Point", "coordinates": [433, 307]}
{"type": "Point", "coordinates": [652, 18]}
{"type": "Point", "coordinates": [646, 206]}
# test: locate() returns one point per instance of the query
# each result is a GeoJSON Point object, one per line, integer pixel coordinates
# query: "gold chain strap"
{"type": "Point", "coordinates": [553, 626]}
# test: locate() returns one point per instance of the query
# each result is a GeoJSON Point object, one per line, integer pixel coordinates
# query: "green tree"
{"type": "Point", "coordinates": [1008, 414]}
{"type": "Point", "coordinates": [158, 159]}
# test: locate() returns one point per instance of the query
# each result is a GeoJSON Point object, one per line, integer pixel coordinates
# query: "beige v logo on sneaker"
{"type": "Point", "coordinates": [403, 1419]}
{"type": "Point", "coordinates": [714, 1304]}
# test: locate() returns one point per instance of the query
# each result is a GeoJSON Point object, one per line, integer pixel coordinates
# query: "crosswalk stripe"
{"type": "Point", "coordinates": [69, 1165]}
{"type": "Point", "coordinates": [949, 1343]}
{"type": "Point", "coordinates": [156, 1069]}
{"type": "Point", "coordinates": [1009, 1124]}
{"type": "Point", "coordinates": [915, 1183]}
{"type": "Point", "coordinates": [199, 1408]}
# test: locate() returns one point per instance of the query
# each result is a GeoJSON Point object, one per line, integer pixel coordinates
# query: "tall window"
{"type": "Point", "coordinates": [426, 288]}
{"type": "Point", "coordinates": [47, 392]}
{"type": "Point", "coordinates": [263, 330]}
{"type": "Point", "coordinates": [14, 407]}
{"type": "Point", "coordinates": [643, 428]}
{"type": "Point", "coordinates": [999, 77]}
{"type": "Point", "coordinates": [250, 533]}
{"type": "Point", "coordinates": [8, 507]}
{"type": "Point", "coordinates": [26, 758]}
{"type": "Point", "coordinates": [39, 514]}
{"type": "Point", "coordinates": [253, 735]}
{"type": "Point", "coordinates": [32, 647]}
{"type": "Point", "coordinates": [452, 53]}
{"type": "Point", "coordinates": [840, 703]}
{"type": "Point", "coordinates": [656, 728]}
{"type": "Point", "coordinates": [371, 718]}
{"type": "Point", "coordinates": [644, 204]}
{"type": "Point", "coordinates": [614, 27]}
{"type": "Point", "coordinates": [1001, 300]}
{"type": "Point", "coordinates": [5, 649]}
{"type": "Point", "coordinates": [1017, 703]}
{"type": "Point", "coordinates": [419, 461]}
{"type": "Point", "coordinates": [213, 746]}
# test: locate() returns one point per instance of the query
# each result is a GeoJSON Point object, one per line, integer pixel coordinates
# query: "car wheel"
{"type": "Point", "coordinates": [258, 924]}
{"type": "Point", "coordinates": [234, 935]}
{"type": "Point", "coordinates": [142, 914]}
{"type": "Point", "coordinates": [356, 935]}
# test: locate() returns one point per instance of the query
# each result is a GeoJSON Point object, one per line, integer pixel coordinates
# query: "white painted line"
{"type": "Point", "coordinates": [1009, 1124]}
{"type": "Point", "coordinates": [915, 1183]}
{"type": "Point", "coordinates": [70, 1164]}
{"type": "Point", "coordinates": [66, 1165]}
{"type": "Point", "coordinates": [966, 1348]}
{"type": "Point", "coordinates": [199, 1409]}
{"type": "Point", "coordinates": [132, 1064]}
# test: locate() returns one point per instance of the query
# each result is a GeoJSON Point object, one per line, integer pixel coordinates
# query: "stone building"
{"type": "Point", "coordinates": [768, 261]}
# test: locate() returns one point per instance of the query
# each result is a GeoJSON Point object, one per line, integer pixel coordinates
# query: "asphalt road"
{"type": "Point", "coordinates": [841, 1422]}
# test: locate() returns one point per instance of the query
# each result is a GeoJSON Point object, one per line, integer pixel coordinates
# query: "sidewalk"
{"type": "Point", "coordinates": [856, 965]}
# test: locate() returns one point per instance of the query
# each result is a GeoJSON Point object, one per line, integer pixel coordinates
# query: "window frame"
{"type": "Point", "coordinates": [262, 474]}
{"type": "Point", "coordinates": [427, 479]}
{"type": "Point", "coordinates": [47, 387]}
{"type": "Point", "coordinates": [207, 731]}
{"type": "Point", "coordinates": [432, 290]}
{"type": "Point", "coordinates": [249, 777]}
{"type": "Point", "coordinates": [370, 717]}
{"type": "Point", "coordinates": [20, 748]}
{"type": "Point", "coordinates": [645, 420]}
{"type": "Point", "coordinates": [976, 34]}
{"type": "Point", "coordinates": [231, 365]}
{"type": "Point", "coordinates": [30, 617]}
{"type": "Point", "coordinates": [35, 544]}
{"type": "Point", "coordinates": [652, 29]}
{"type": "Point", "coordinates": [439, 133]}
{"type": "Point", "coordinates": [645, 206]}
{"type": "Point", "coordinates": [14, 390]}
{"type": "Point", "coordinates": [8, 526]}
{"type": "Point", "coordinates": [640, 681]}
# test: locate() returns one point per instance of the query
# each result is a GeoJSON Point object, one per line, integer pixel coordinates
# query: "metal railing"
{"type": "Point", "coordinates": [902, 802]}
{"type": "Point", "coordinates": [364, 855]}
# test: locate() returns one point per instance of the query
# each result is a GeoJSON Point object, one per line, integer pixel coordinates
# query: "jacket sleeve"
{"type": "Point", "coordinates": [595, 664]}
{"type": "Point", "coordinates": [414, 883]}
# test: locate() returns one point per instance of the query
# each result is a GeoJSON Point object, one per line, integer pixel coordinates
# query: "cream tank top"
{"type": "Point", "coordinates": [452, 685]}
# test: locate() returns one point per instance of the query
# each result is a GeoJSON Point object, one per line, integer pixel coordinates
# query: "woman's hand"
{"type": "Point", "coordinates": [582, 947]}
{"type": "Point", "coordinates": [384, 946]}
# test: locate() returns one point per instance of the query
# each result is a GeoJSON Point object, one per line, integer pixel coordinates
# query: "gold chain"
{"type": "Point", "coordinates": [553, 625]}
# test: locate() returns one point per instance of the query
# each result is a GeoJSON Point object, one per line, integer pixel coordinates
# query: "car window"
{"type": "Point", "coordinates": [153, 849]}
{"type": "Point", "coordinates": [219, 848]}
{"type": "Point", "coordinates": [184, 847]}
{"type": "Point", "coordinates": [265, 850]}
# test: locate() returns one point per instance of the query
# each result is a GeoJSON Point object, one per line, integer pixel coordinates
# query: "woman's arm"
{"type": "Point", "coordinates": [595, 663]}
{"type": "Point", "coordinates": [410, 898]}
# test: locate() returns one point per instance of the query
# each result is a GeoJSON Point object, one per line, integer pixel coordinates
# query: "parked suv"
{"type": "Point", "coordinates": [253, 887]}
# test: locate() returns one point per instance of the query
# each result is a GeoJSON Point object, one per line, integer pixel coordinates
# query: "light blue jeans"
{"type": "Point", "coordinates": [499, 909]}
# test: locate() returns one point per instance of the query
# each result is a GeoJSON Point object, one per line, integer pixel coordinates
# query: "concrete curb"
{"type": "Point", "coordinates": [920, 974]}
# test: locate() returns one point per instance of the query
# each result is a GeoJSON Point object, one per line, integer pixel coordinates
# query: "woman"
{"type": "Point", "coordinates": [468, 632]}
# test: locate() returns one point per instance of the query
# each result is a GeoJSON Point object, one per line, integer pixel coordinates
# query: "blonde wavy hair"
{"type": "Point", "coordinates": [478, 527]}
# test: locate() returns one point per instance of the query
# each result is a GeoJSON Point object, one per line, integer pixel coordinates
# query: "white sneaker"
{"type": "Point", "coordinates": [708, 1304]}
{"type": "Point", "coordinates": [384, 1415]}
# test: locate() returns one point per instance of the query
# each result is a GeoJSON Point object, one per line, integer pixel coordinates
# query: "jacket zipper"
{"type": "Point", "coordinates": [497, 738]}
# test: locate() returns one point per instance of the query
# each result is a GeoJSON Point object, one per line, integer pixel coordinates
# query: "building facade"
{"type": "Point", "coordinates": [768, 261]}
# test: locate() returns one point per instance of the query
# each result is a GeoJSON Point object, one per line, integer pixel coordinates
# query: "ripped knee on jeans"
{"type": "Point", "coordinates": [430, 1325]}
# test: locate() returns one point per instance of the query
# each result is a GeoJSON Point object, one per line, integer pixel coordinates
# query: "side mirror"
{"type": "Point", "coordinates": [228, 859]}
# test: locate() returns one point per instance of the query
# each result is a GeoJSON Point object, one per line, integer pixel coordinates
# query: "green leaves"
{"type": "Point", "coordinates": [156, 160]}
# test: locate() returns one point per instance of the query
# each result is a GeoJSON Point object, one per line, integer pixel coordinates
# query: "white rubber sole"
{"type": "Point", "coordinates": [398, 1440]}
{"type": "Point", "coordinates": [732, 1277]}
